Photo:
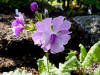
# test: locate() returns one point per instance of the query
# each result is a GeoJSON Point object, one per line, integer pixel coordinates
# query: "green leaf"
{"type": "Point", "coordinates": [98, 39]}
{"type": "Point", "coordinates": [71, 64]}
{"type": "Point", "coordinates": [71, 54]}
{"type": "Point", "coordinates": [39, 16]}
{"type": "Point", "coordinates": [92, 56]}
{"type": "Point", "coordinates": [83, 53]}
{"type": "Point", "coordinates": [55, 3]}
{"type": "Point", "coordinates": [96, 51]}
{"type": "Point", "coordinates": [42, 67]}
{"type": "Point", "coordinates": [97, 71]}
{"type": "Point", "coordinates": [31, 27]}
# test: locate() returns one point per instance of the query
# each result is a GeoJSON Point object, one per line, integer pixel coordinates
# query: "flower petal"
{"type": "Point", "coordinates": [44, 26]}
{"type": "Point", "coordinates": [65, 26]}
{"type": "Point", "coordinates": [37, 38]}
{"type": "Point", "coordinates": [57, 47]}
{"type": "Point", "coordinates": [17, 30]}
{"type": "Point", "coordinates": [42, 39]}
{"type": "Point", "coordinates": [47, 45]}
{"type": "Point", "coordinates": [19, 20]}
{"type": "Point", "coordinates": [61, 40]}
{"type": "Point", "coordinates": [14, 23]}
{"type": "Point", "coordinates": [57, 22]}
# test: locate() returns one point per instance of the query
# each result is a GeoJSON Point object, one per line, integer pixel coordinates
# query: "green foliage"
{"type": "Point", "coordinates": [96, 49]}
{"type": "Point", "coordinates": [39, 16]}
{"type": "Point", "coordinates": [70, 55]}
{"type": "Point", "coordinates": [17, 72]}
{"type": "Point", "coordinates": [64, 69]}
{"type": "Point", "coordinates": [71, 63]}
{"type": "Point", "coordinates": [11, 5]}
{"type": "Point", "coordinates": [31, 27]}
{"type": "Point", "coordinates": [92, 56]}
{"type": "Point", "coordinates": [92, 2]}
{"type": "Point", "coordinates": [83, 53]}
{"type": "Point", "coordinates": [55, 3]}
{"type": "Point", "coordinates": [42, 67]}
{"type": "Point", "coordinates": [4, 1]}
{"type": "Point", "coordinates": [86, 59]}
{"type": "Point", "coordinates": [96, 3]}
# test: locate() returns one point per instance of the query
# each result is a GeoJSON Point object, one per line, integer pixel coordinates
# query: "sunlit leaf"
{"type": "Point", "coordinates": [92, 56]}
{"type": "Point", "coordinates": [83, 53]}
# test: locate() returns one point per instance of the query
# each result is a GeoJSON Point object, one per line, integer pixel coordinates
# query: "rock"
{"type": "Point", "coordinates": [90, 25]}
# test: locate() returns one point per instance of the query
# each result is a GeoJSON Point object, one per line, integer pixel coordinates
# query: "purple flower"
{"type": "Point", "coordinates": [18, 25]}
{"type": "Point", "coordinates": [52, 34]}
{"type": "Point", "coordinates": [45, 11]}
{"type": "Point", "coordinates": [34, 6]}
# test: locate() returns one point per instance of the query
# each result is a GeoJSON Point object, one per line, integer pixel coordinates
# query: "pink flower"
{"type": "Point", "coordinates": [52, 34]}
{"type": "Point", "coordinates": [34, 6]}
{"type": "Point", "coordinates": [18, 25]}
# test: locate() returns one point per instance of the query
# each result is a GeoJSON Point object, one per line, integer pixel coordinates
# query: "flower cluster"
{"type": "Point", "coordinates": [18, 25]}
{"type": "Point", "coordinates": [52, 34]}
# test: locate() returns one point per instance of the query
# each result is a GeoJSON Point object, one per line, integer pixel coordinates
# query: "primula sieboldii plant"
{"type": "Point", "coordinates": [18, 25]}
{"type": "Point", "coordinates": [52, 34]}
{"type": "Point", "coordinates": [34, 7]}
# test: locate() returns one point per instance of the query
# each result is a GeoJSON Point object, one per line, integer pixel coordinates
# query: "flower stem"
{"type": "Point", "coordinates": [47, 61]}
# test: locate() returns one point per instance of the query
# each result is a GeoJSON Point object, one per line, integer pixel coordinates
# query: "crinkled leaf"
{"type": "Point", "coordinates": [31, 27]}
{"type": "Point", "coordinates": [71, 54]}
{"type": "Point", "coordinates": [83, 53]}
{"type": "Point", "coordinates": [92, 56]}
{"type": "Point", "coordinates": [42, 67]}
{"type": "Point", "coordinates": [96, 51]}
{"type": "Point", "coordinates": [71, 64]}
